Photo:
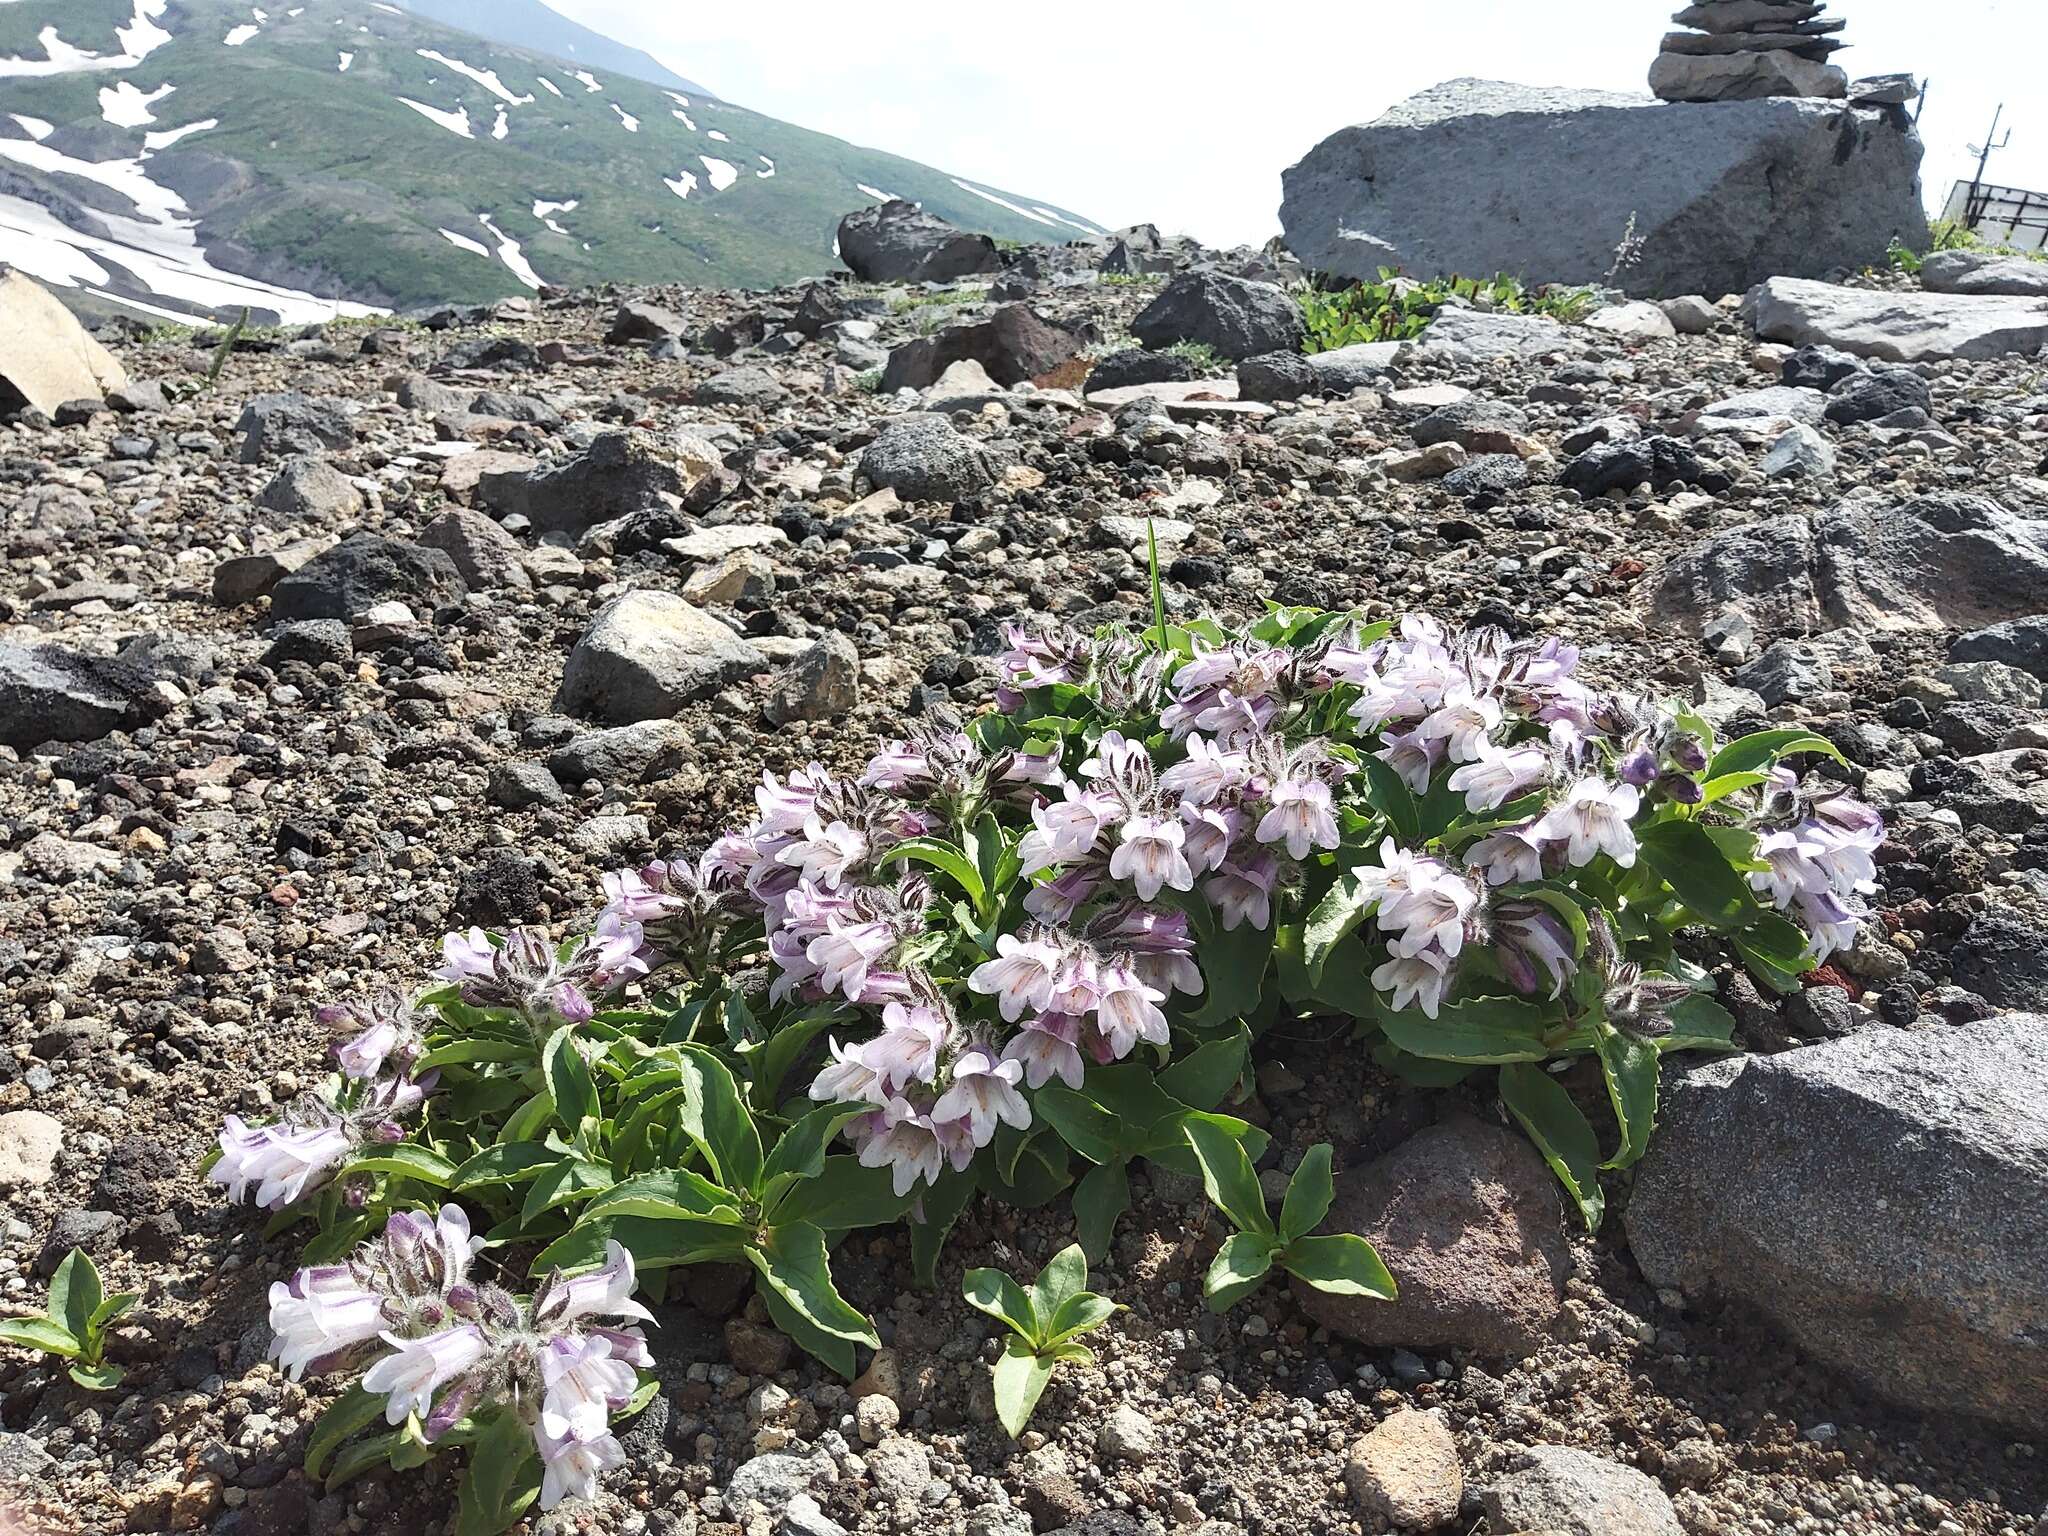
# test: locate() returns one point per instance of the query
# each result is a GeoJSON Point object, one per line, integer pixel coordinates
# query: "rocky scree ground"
{"type": "Point", "coordinates": [323, 617]}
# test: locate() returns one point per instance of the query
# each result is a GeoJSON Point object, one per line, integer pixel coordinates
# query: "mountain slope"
{"type": "Point", "coordinates": [348, 148]}
{"type": "Point", "coordinates": [530, 25]}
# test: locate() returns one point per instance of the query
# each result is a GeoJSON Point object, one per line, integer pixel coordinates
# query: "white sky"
{"type": "Point", "coordinates": [1185, 114]}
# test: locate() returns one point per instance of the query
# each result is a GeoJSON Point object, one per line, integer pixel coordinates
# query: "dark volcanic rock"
{"type": "Point", "coordinates": [618, 473]}
{"type": "Point", "coordinates": [898, 242]}
{"type": "Point", "coordinates": [1652, 461]}
{"type": "Point", "coordinates": [922, 458]}
{"type": "Point", "coordinates": [53, 693]}
{"type": "Point", "coordinates": [291, 423]}
{"type": "Point", "coordinates": [361, 572]}
{"type": "Point", "coordinates": [1134, 365]}
{"type": "Point", "coordinates": [1235, 316]}
{"type": "Point", "coordinates": [2004, 959]}
{"type": "Point", "coordinates": [1012, 345]}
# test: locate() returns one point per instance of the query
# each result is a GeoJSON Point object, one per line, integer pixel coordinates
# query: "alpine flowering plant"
{"type": "Point", "coordinates": [1009, 958]}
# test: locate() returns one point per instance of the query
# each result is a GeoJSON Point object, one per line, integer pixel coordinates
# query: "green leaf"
{"type": "Point", "coordinates": [769, 1062]}
{"type": "Point", "coordinates": [354, 1411]}
{"type": "Point", "coordinates": [844, 1195]}
{"type": "Point", "coordinates": [1227, 1175]}
{"type": "Point", "coordinates": [799, 1153]}
{"type": "Point", "coordinates": [110, 1309]}
{"type": "Point", "coordinates": [460, 1052]}
{"type": "Point", "coordinates": [666, 1194]}
{"type": "Point", "coordinates": [1064, 1277]}
{"type": "Point", "coordinates": [1233, 974]}
{"type": "Point", "coordinates": [511, 1162]}
{"type": "Point", "coordinates": [362, 1455]}
{"type": "Point", "coordinates": [75, 1294]}
{"type": "Point", "coordinates": [569, 1081]}
{"type": "Point", "coordinates": [502, 1479]}
{"type": "Point", "coordinates": [1239, 1268]}
{"type": "Point", "coordinates": [654, 1243]}
{"type": "Point", "coordinates": [1102, 1196]}
{"type": "Point", "coordinates": [1561, 1133]}
{"type": "Point", "coordinates": [1201, 1078]}
{"type": "Point", "coordinates": [1082, 1123]}
{"type": "Point", "coordinates": [1698, 1023]}
{"type": "Point", "coordinates": [943, 856]}
{"type": "Point", "coordinates": [793, 1260]}
{"type": "Point", "coordinates": [834, 1353]}
{"type": "Point", "coordinates": [1419, 1071]}
{"type": "Point", "coordinates": [405, 1160]}
{"type": "Point", "coordinates": [714, 1113]}
{"type": "Point", "coordinates": [96, 1378]}
{"type": "Point", "coordinates": [570, 1179]}
{"type": "Point", "coordinates": [941, 1204]}
{"type": "Point", "coordinates": [1480, 1031]}
{"type": "Point", "coordinates": [1698, 872]}
{"type": "Point", "coordinates": [1020, 1377]}
{"type": "Point", "coordinates": [1390, 795]}
{"type": "Point", "coordinates": [1629, 1064]}
{"type": "Point", "coordinates": [1078, 1314]}
{"type": "Point", "coordinates": [41, 1333]}
{"type": "Point", "coordinates": [1343, 907]}
{"type": "Point", "coordinates": [1309, 1194]}
{"type": "Point", "coordinates": [1344, 1264]}
{"type": "Point", "coordinates": [1763, 748]}
{"type": "Point", "coordinates": [525, 1122]}
{"type": "Point", "coordinates": [993, 1292]}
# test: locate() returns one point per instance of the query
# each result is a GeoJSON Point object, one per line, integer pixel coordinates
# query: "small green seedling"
{"type": "Point", "coordinates": [1044, 1322]}
{"type": "Point", "coordinates": [75, 1327]}
{"type": "Point", "coordinates": [1343, 1263]}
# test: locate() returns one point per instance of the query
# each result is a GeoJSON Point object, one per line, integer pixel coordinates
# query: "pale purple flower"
{"type": "Point", "coordinates": [1058, 900]}
{"type": "Point", "coordinates": [1116, 758]}
{"type": "Point", "coordinates": [467, 956]}
{"type": "Point", "coordinates": [418, 1368]}
{"type": "Point", "coordinates": [321, 1313]}
{"type": "Point", "coordinates": [1793, 857]}
{"type": "Point", "coordinates": [1067, 829]}
{"type": "Point", "coordinates": [827, 852]}
{"type": "Point", "coordinates": [907, 1050]}
{"type": "Point", "coordinates": [1302, 816]}
{"type": "Point", "coordinates": [1508, 855]}
{"type": "Point", "coordinates": [1046, 1048]}
{"type": "Point", "coordinates": [570, 1468]}
{"type": "Point", "coordinates": [1593, 819]}
{"type": "Point", "coordinates": [1431, 914]}
{"type": "Point", "coordinates": [902, 1140]}
{"type": "Point", "coordinates": [786, 807]}
{"type": "Point", "coordinates": [1206, 774]}
{"type": "Point", "coordinates": [895, 767]}
{"type": "Point", "coordinates": [382, 1027]}
{"type": "Point", "coordinates": [1464, 721]}
{"type": "Point", "coordinates": [1151, 853]}
{"type": "Point", "coordinates": [843, 953]}
{"type": "Point", "coordinates": [984, 1093]}
{"type": "Point", "coordinates": [606, 1291]}
{"type": "Point", "coordinates": [1244, 892]}
{"type": "Point", "coordinates": [584, 1384]}
{"type": "Point", "coordinates": [283, 1161]}
{"type": "Point", "coordinates": [1209, 830]}
{"type": "Point", "coordinates": [1530, 942]}
{"type": "Point", "coordinates": [1416, 981]}
{"type": "Point", "coordinates": [1128, 1011]}
{"type": "Point", "coordinates": [1413, 757]}
{"type": "Point", "coordinates": [1021, 976]}
{"type": "Point", "coordinates": [847, 1078]}
{"type": "Point", "coordinates": [1831, 921]}
{"type": "Point", "coordinates": [1498, 775]}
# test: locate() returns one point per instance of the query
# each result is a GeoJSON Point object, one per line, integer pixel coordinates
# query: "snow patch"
{"type": "Point", "coordinates": [1002, 202]}
{"type": "Point", "coordinates": [142, 36]}
{"type": "Point", "coordinates": [876, 193]}
{"type": "Point", "coordinates": [126, 106]}
{"type": "Point", "coordinates": [722, 174]}
{"type": "Point", "coordinates": [154, 244]}
{"type": "Point", "coordinates": [1061, 218]}
{"type": "Point", "coordinates": [683, 118]}
{"type": "Point", "coordinates": [501, 127]}
{"type": "Point", "coordinates": [684, 184]}
{"type": "Point", "coordinates": [764, 175]}
{"type": "Point", "coordinates": [379, 5]}
{"type": "Point", "coordinates": [545, 212]}
{"type": "Point", "coordinates": [138, 39]}
{"type": "Point", "coordinates": [456, 122]}
{"type": "Point", "coordinates": [679, 100]}
{"type": "Point", "coordinates": [508, 252]}
{"type": "Point", "coordinates": [487, 78]}
{"type": "Point", "coordinates": [347, 59]}
{"type": "Point", "coordinates": [240, 35]}
{"type": "Point", "coordinates": [589, 80]}
{"type": "Point", "coordinates": [715, 134]}
{"type": "Point", "coordinates": [552, 88]}
{"type": "Point", "coordinates": [165, 138]}
{"type": "Point", "coordinates": [34, 127]}
{"type": "Point", "coordinates": [465, 242]}
{"type": "Point", "coordinates": [626, 119]}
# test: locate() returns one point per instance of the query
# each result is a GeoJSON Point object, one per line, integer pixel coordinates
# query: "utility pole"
{"type": "Point", "coordinates": [1973, 208]}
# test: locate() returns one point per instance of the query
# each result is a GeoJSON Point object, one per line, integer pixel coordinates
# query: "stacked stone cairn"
{"type": "Point", "coordinates": [1740, 50]}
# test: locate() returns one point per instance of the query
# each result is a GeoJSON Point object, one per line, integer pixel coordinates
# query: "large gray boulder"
{"type": "Point", "coordinates": [1942, 561]}
{"type": "Point", "coordinates": [53, 693]}
{"type": "Point", "coordinates": [362, 571]}
{"type": "Point", "coordinates": [620, 472]}
{"type": "Point", "coordinates": [1984, 272]}
{"type": "Point", "coordinates": [46, 356]}
{"type": "Point", "coordinates": [898, 242]}
{"type": "Point", "coordinates": [646, 655]}
{"type": "Point", "coordinates": [1883, 1198]}
{"type": "Point", "coordinates": [1899, 327]}
{"type": "Point", "coordinates": [1237, 317]}
{"type": "Point", "coordinates": [1477, 176]}
{"type": "Point", "coordinates": [1012, 343]}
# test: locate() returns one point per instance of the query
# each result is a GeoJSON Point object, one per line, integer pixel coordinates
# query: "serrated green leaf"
{"type": "Point", "coordinates": [569, 1081]}
{"type": "Point", "coordinates": [940, 1205]}
{"type": "Point", "coordinates": [507, 1163]}
{"type": "Point", "coordinates": [794, 1261]}
{"type": "Point", "coordinates": [1697, 869]}
{"type": "Point", "coordinates": [714, 1114]}
{"type": "Point", "coordinates": [1082, 1123]}
{"type": "Point", "coordinates": [950, 861]}
{"type": "Point", "coordinates": [844, 1195]}
{"type": "Point", "coordinates": [103, 1377]}
{"type": "Point", "coordinates": [1078, 1314]}
{"type": "Point", "coordinates": [1629, 1064]}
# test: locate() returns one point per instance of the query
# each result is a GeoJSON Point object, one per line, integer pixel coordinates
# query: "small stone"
{"type": "Point", "coordinates": [1127, 1435]}
{"type": "Point", "coordinates": [1406, 1472]}
{"type": "Point", "coordinates": [29, 1143]}
{"type": "Point", "coordinates": [875, 1416]}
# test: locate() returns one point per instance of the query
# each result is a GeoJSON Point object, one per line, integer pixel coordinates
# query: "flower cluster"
{"type": "Point", "coordinates": [1822, 856]}
{"type": "Point", "coordinates": [548, 985]}
{"type": "Point", "coordinates": [442, 1347]}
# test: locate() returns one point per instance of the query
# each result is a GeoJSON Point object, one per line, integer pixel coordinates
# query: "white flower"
{"type": "Point", "coordinates": [1413, 757]}
{"type": "Point", "coordinates": [1394, 876]}
{"type": "Point", "coordinates": [1205, 774]}
{"type": "Point", "coordinates": [1128, 1011]}
{"type": "Point", "coordinates": [907, 1049]}
{"type": "Point", "coordinates": [846, 1078]}
{"type": "Point", "coordinates": [466, 956]}
{"type": "Point", "coordinates": [584, 1383]}
{"type": "Point", "coordinates": [1210, 832]}
{"type": "Point", "coordinates": [1242, 893]}
{"type": "Point", "coordinates": [606, 1291]}
{"type": "Point", "coordinates": [418, 1368]}
{"type": "Point", "coordinates": [1432, 913]}
{"type": "Point", "coordinates": [1465, 721]}
{"type": "Point", "coordinates": [984, 1092]}
{"type": "Point", "coordinates": [1831, 921]}
{"type": "Point", "coordinates": [282, 1161]}
{"type": "Point", "coordinates": [1302, 817]}
{"type": "Point", "coordinates": [1046, 1049]}
{"type": "Point", "coordinates": [1498, 775]}
{"type": "Point", "coordinates": [825, 854]}
{"type": "Point", "coordinates": [1021, 976]}
{"type": "Point", "coordinates": [1507, 856]}
{"type": "Point", "coordinates": [844, 952]}
{"type": "Point", "coordinates": [1594, 819]}
{"type": "Point", "coordinates": [1065, 831]}
{"type": "Point", "coordinates": [318, 1313]}
{"type": "Point", "coordinates": [1414, 981]}
{"type": "Point", "coordinates": [569, 1468]}
{"type": "Point", "coordinates": [1150, 853]}
{"type": "Point", "coordinates": [904, 1141]}
{"type": "Point", "coordinates": [1794, 867]}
